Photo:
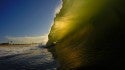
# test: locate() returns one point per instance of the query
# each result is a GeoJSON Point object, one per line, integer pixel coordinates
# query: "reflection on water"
{"type": "Point", "coordinates": [26, 58]}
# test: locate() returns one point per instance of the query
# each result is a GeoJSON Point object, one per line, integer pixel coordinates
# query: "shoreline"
{"type": "Point", "coordinates": [14, 45]}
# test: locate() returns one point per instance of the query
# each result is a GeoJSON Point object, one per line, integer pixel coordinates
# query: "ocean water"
{"type": "Point", "coordinates": [26, 57]}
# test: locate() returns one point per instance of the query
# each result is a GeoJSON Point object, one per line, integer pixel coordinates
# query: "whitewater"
{"type": "Point", "coordinates": [26, 57]}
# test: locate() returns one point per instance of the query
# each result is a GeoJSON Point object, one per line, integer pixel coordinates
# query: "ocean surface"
{"type": "Point", "coordinates": [26, 57]}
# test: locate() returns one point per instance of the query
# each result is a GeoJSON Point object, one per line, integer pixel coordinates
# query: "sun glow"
{"type": "Point", "coordinates": [28, 40]}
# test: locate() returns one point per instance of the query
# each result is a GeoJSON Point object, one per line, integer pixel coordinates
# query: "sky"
{"type": "Point", "coordinates": [26, 18]}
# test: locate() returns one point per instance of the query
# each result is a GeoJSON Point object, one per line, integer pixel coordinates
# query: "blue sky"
{"type": "Point", "coordinates": [20, 18]}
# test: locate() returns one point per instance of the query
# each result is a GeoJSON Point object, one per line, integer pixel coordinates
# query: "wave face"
{"type": "Point", "coordinates": [88, 34]}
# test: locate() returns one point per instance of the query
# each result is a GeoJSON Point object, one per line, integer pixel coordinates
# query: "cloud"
{"type": "Point", "coordinates": [28, 40]}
